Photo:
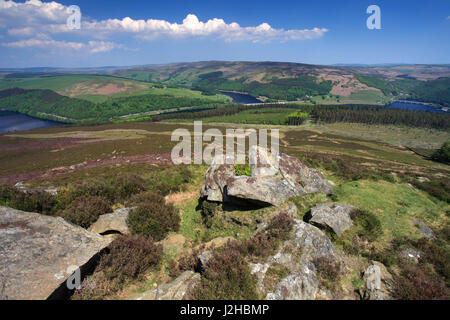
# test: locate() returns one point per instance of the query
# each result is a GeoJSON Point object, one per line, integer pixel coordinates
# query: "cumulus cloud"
{"type": "Point", "coordinates": [34, 18]}
{"type": "Point", "coordinates": [191, 26]}
{"type": "Point", "coordinates": [32, 12]}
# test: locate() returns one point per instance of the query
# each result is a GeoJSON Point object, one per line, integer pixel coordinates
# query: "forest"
{"type": "Point", "coordinates": [434, 91]}
{"type": "Point", "coordinates": [51, 105]}
{"type": "Point", "coordinates": [323, 113]}
{"type": "Point", "coordinates": [226, 110]}
{"type": "Point", "coordinates": [48, 104]}
{"type": "Point", "coordinates": [380, 115]}
{"type": "Point", "coordinates": [278, 89]}
{"type": "Point", "coordinates": [148, 102]}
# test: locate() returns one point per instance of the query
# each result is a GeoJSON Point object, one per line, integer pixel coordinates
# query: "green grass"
{"type": "Point", "coordinates": [276, 116]}
{"type": "Point", "coordinates": [395, 204]}
{"type": "Point", "coordinates": [69, 85]}
{"type": "Point", "coordinates": [365, 97]}
{"type": "Point", "coordinates": [426, 138]}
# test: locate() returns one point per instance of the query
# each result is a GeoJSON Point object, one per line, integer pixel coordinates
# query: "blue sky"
{"type": "Point", "coordinates": [319, 32]}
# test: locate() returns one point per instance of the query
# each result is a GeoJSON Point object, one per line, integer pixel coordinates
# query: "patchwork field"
{"type": "Point", "coordinates": [96, 88]}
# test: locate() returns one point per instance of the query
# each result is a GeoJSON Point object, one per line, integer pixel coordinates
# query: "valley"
{"type": "Point", "coordinates": [107, 170]}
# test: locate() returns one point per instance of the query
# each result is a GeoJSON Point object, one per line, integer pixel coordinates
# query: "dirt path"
{"type": "Point", "coordinates": [151, 158]}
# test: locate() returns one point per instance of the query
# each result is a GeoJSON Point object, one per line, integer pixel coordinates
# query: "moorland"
{"type": "Point", "coordinates": [114, 153]}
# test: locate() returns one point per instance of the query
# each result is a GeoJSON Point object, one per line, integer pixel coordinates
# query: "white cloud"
{"type": "Point", "coordinates": [27, 31]}
{"type": "Point", "coordinates": [32, 12]}
{"type": "Point", "coordinates": [35, 16]}
{"type": "Point", "coordinates": [91, 46]}
{"type": "Point", "coordinates": [191, 26]}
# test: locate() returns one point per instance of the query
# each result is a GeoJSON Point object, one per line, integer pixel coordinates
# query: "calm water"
{"type": "Point", "coordinates": [246, 99]}
{"type": "Point", "coordinates": [241, 98]}
{"type": "Point", "coordinates": [10, 122]}
{"type": "Point", "coordinates": [414, 106]}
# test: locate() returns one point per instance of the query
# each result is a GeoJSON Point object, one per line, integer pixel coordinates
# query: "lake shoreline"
{"type": "Point", "coordinates": [11, 121]}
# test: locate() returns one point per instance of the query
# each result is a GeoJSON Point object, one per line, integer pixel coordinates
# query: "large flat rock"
{"type": "Point", "coordinates": [332, 215]}
{"type": "Point", "coordinates": [261, 189]}
{"type": "Point", "coordinates": [112, 222]}
{"type": "Point", "coordinates": [274, 179]}
{"type": "Point", "coordinates": [38, 252]}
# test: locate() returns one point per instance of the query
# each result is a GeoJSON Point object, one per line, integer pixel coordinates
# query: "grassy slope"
{"type": "Point", "coordinates": [390, 81]}
{"type": "Point", "coordinates": [350, 140]}
{"type": "Point", "coordinates": [69, 85]}
{"type": "Point", "coordinates": [396, 204]}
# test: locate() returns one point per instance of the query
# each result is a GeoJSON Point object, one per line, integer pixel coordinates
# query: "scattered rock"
{"type": "Point", "coordinates": [423, 179]}
{"type": "Point", "coordinates": [332, 215]}
{"type": "Point", "coordinates": [38, 253]}
{"type": "Point", "coordinates": [175, 290]}
{"type": "Point", "coordinates": [411, 254]}
{"type": "Point", "coordinates": [112, 222]}
{"type": "Point", "coordinates": [51, 190]}
{"type": "Point", "coordinates": [425, 230]}
{"type": "Point", "coordinates": [378, 282]}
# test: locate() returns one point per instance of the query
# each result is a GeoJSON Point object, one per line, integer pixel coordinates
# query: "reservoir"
{"type": "Point", "coordinates": [414, 106]}
{"type": "Point", "coordinates": [12, 121]}
{"type": "Point", "coordinates": [241, 97]}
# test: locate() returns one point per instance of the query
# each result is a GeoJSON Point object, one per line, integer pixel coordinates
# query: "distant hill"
{"type": "Point", "coordinates": [297, 81]}
{"type": "Point", "coordinates": [268, 81]}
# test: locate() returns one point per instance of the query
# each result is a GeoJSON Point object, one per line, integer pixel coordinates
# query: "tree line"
{"type": "Point", "coordinates": [381, 115]}
{"type": "Point", "coordinates": [51, 105]}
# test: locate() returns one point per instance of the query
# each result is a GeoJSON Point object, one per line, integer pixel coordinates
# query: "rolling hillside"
{"type": "Point", "coordinates": [294, 81]}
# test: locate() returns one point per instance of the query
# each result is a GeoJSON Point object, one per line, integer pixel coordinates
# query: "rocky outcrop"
{"type": "Point", "coordinates": [175, 290]}
{"type": "Point", "coordinates": [333, 216]}
{"type": "Point", "coordinates": [378, 282]}
{"type": "Point", "coordinates": [300, 176]}
{"type": "Point", "coordinates": [112, 222]}
{"type": "Point", "coordinates": [216, 179]}
{"type": "Point", "coordinates": [274, 178]}
{"type": "Point", "coordinates": [261, 190]}
{"type": "Point", "coordinates": [38, 253]}
{"type": "Point", "coordinates": [298, 256]}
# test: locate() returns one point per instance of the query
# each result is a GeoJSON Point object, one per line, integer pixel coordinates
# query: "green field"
{"type": "Point", "coordinates": [276, 116]}
{"type": "Point", "coordinates": [100, 88]}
